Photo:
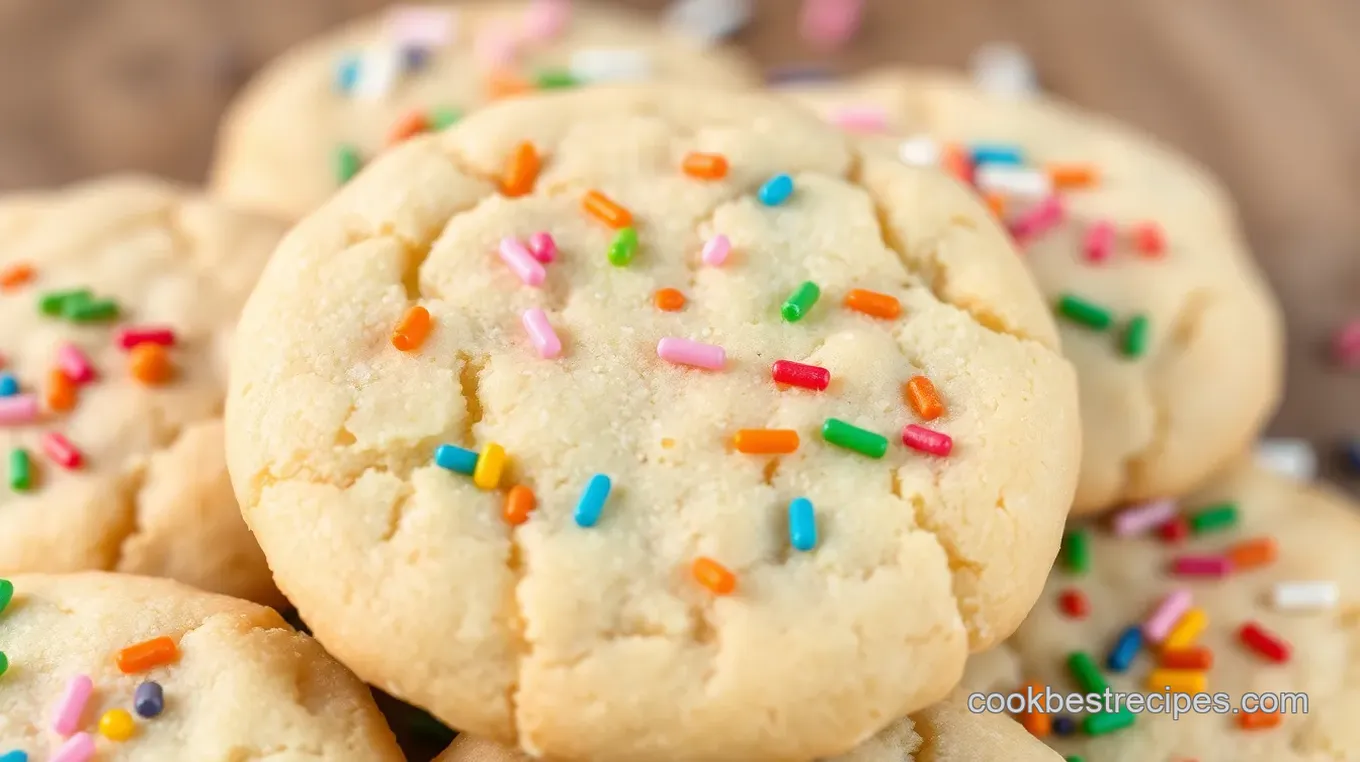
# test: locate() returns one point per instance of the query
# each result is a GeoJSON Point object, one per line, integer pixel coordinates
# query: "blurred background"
{"type": "Point", "coordinates": [1263, 92]}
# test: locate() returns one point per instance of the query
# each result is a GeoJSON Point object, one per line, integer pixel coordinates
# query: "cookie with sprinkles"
{"type": "Point", "coordinates": [946, 732]}
{"type": "Point", "coordinates": [1177, 342]}
{"type": "Point", "coordinates": [1268, 608]}
{"type": "Point", "coordinates": [570, 500]}
{"type": "Point", "coordinates": [114, 376]}
{"type": "Point", "coordinates": [321, 112]}
{"type": "Point", "coordinates": [121, 668]}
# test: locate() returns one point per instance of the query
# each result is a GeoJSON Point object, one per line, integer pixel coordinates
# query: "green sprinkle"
{"type": "Point", "coordinates": [1107, 722]}
{"type": "Point", "coordinates": [6, 593]}
{"type": "Point", "coordinates": [4, 663]}
{"type": "Point", "coordinates": [346, 163]}
{"type": "Point", "coordinates": [1221, 516]}
{"type": "Point", "coordinates": [1135, 340]}
{"type": "Point", "coordinates": [842, 434]}
{"type": "Point", "coordinates": [624, 247]}
{"type": "Point", "coordinates": [20, 471]}
{"type": "Point", "coordinates": [1085, 672]}
{"type": "Point", "coordinates": [1073, 758]}
{"type": "Point", "coordinates": [796, 307]}
{"type": "Point", "coordinates": [88, 311]}
{"type": "Point", "coordinates": [555, 79]}
{"type": "Point", "coordinates": [52, 302]}
{"type": "Point", "coordinates": [1076, 548]}
{"type": "Point", "coordinates": [1079, 310]}
{"type": "Point", "coordinates": [443, 118]}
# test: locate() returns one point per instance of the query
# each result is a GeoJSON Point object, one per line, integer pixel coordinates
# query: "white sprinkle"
{"type": "Point", "coordinates": [418, 26]}
{"type": "Point", "coordinates": [1002, 68]}
{"type": "Point", "coordinates": [919, 151]}
{"type": "Point", "coordinates": [708, 21]}
{"type": "Point", "coordinates": [1025, 182]}
{"type": "Point", "coordinates": [596, 65]}
{"type": "Point", "coordinates": [1305, 596]}
{"type": "Point", "coordinates": [1294, 458]}
{"type": "Point", "coordinates": [378, 72]}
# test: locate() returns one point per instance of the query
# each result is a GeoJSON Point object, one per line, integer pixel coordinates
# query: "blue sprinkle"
{"type": "Point", "coordinates": [9, 386]}
{"type": "Point", "coordinates": [776, 190]}
{"type": "Point", "coordinates": [1064, 725]}
{"type": "Point", "coordinates": [802, 524]}
{"type": "Point", "coordinates": [590, 506]}
{"type": "Point", "coordinates": [414, 58]}
{"type": "Point", "coordinates": [1121, 656]}
{"type": "Point", "coordinates": [997, 153]}
{"type": "Point", "coordinates": [455, 459]}
{"type": "Point", "coordinates": [148, 700]}
{"type": "Point", "coordinates": [14, 756]}
{"type": "Point", "coordinates": [346, 73]}
{"type": "Point", "coordinates": [1351, 451]}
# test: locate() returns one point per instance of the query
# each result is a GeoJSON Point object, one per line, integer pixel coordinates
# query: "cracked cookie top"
{"type": "Point", "coordinates": [313, 117]}
{"type": "Point", "coordinates": [1177, 342]}
{"type": "Point", "coordinates": [592, 518]}
{"type": "Point", "coordinates": [117, 297]}
{"type": "Point", "coordinates": [134, 669]}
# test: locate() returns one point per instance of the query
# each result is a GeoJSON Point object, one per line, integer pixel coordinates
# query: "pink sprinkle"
{"type": "Point", "coordinates": [861, 119]}
{"type": "Point", "coordinates": [74, 364]}
{"type": "Point", "coordinates": [927, 440]}
{"type": "Point", "coordinates": [1165, 616]}
{"type": "Point", "coordinates": [1346, 345]}
{"type": "Point", "coordinates": [830, 23]}
{"type": "Point", "coordinates": [1202, 566]}
{"type": "Point", "coordinates": [497, 46]}
{"type": "Point", "coordinates": [545, 19]}
{"type": "Point", "coordinates": [686, 352]}
{"type": "Point", "coordinates": [541, 333]}
{"type": "Point", "coordinates": [1099, 241]}
{"type": "Point", "coordinates": [78, 748]}
{"type": "Point", "coordinates": [1046, 215]}
{"type": "Point", "coordinates": [543, 247]}
{"type": "Point", "coordinates": [129, 337]}
{"type": "Point", "coordinates": [18, 409]}
{"type": "Point", "coordinates": [529, 270]}
{"type": "Point", "coordinates": [72, 705]}
{"type": "Point", "coordinates": [716, 250]}
{"type": "Point", "coordinates": [1141, 518]}
{"type": "Point", "coordinates": [61, 451]}
{"type": "Point", "coordinates": [414, 26]}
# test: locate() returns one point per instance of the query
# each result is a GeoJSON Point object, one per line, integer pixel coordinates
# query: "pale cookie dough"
{"type": "Point", "coordinates": [1317, 532]}
{"type": "Point", "coordinates": [150, 494]}
{"type": "Point", "coordinates": [946, 732]}
{"type": "Point", "coordinates": [239, 684]}
{"type": "Point", "coordinates": [1210, 376]}
{"type": "Point", "coordinates": [536, 634]}
{"type": "Point", "coordinates": [338, 99]}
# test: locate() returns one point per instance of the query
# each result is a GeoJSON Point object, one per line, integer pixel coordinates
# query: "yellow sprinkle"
{"type": "Point", "coordinates": [117, 725]}
{"type": "Point", "coordinates": [490, 465]}
{"type": "Point", "coordinates": [1178, 681]}
{"type": "Point", "coordinates": [1183, 635]}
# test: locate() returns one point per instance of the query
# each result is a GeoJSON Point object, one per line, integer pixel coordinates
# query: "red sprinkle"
{"type": "Point", "coordinates": [927, 440]}
{"type": "Point", "coordinates": [130, 337]}
{"type": "Point", "coordinates": [797, 374]}
{"type": "Point", "coordinates": [1195, 658]}
{"type": "Point", "coordinates": [1202, 566]}
{"type": "Point", "coordinates": [1346, 345]}
{"type": "Point", "coordinates": [1174, 530]}
{"type": "Point", "coordinates": [1264, 642]}
{"type": "Point", "coordinates": [61, 451]}
{"type": "Point", "coordinates": [1074, 604]}
{"type": "Point", "coordinates": [1148, 239]}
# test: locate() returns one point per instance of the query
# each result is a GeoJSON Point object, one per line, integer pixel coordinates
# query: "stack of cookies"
{"type": "Point", "coordinates": [608, 409]}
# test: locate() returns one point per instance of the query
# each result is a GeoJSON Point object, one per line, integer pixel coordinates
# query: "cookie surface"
{"type": "Point", "coordinates": [1316, 532]}
{"type": "Point", "coordinates": [1181, 361]}
{"type": "Point", "coordinates": [331, 105]}
{"type": "Point", "coordinates": [147, 491]}
{"type": "Point", "coordinates": [235, 681]}
{"type": "Point", "coordinates": [529, 630]}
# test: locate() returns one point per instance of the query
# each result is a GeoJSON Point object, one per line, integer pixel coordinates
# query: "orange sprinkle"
{"type": "Point", "coordinates": [1039, 724]}
{"type": "Point", "coordinates": [521, 172]}
{"type": "Point", "coordinates": [60, 393]}
{"type": "Point", "coordinates": [923, 398]}
{"type": "Point", "coordinates": [150, 654]}
{"type": "Point", "coordinates": [669, 300]}
{"type": "Point", "coordinates": [955, 161]}
{"type": "Point", "coordinates": [714, 576]}
{"type": "Point", "coordinates": [765, 441]}
{"type": "Point", "coordinates": [667, 443]}
{"type": "Point", "coordinates": [519, 502]}
{"type": "Point", "coordinates": [149, 363]}
{"type": "Point", "coordinates": [408, 126]}
{"type": "Point", "coordinates": [502, 84]}
{"type": "Point", "coordinates": [16, 275]}
{"type": "Point", "coordinates": [410, 333]}
{"type": "Point", "coordinates": [1149, 240]}
{"type": "Point", "coordinates": [873, 303]}
{"type": "Point", "coordinates": [997, 203]}
{"type": "Point", "coordinates": [1258, 720]}
{"type": "Point", "coordinates": [1250, 554]}
{"type": "Point", "coordinates": [705, 166]}
{"type": "Point", "coordinates": [600, 207]}
{"type": "Point", "coordinates": [1073, 175]}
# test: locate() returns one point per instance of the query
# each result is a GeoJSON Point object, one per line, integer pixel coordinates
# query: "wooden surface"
{"type": "Point", "coordinates": [1265, 92]}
